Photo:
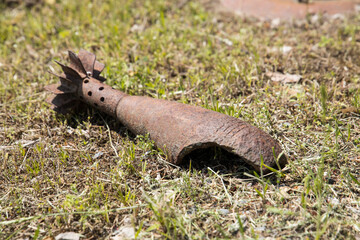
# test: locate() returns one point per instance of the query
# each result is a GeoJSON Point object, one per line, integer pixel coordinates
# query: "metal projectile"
{"type": "Point", "coordinates": [176, 128]}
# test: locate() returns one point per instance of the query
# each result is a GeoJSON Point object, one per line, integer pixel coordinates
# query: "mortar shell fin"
{"type": "Point", "coordinates": [70, 85]}
{"type": "Point", "coordinates": [75, 63]}
{"type": "Point", "coordinates": [59, 89]}
{"type": "Point", "coordinates": [67, 83]}
{"type": "Point", "coordinates": [88, 61]}
{"type": "Point", "coordinates": [71, 74]}
{"type": "Point", "coordinates": [98, 68]}
{"type": "Point", "coordinates": [62, 76]}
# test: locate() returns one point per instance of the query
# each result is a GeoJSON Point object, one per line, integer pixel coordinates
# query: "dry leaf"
{"type": "Point", "coordinates": [349, 110]}
{"type": "Point", "coordinates": [50, 2]}
{"type": "Point", "coordinates": [48, 238]}
{"type": "Point", "coordinates": [32, 51]}
{"type": "Point", "coordinates": [284, 192]}
{"type": "Point", "coordinates": [285, 78]}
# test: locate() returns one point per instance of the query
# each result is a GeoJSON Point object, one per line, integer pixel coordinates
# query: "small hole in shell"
{"type": "Point", "coordinates": [89, 93]}
{"type": "Point", "coordinates": [86, 81]}
{"type": "Point", "coordinates": [101, 88]}
{"type": "Point", "coordinates": [102, 99]}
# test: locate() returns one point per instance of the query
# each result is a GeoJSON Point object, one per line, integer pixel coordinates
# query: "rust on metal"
{"type": "Point", "coordinates": [176, 128]}
{"type": "Point", "coordinates": [288, 9]}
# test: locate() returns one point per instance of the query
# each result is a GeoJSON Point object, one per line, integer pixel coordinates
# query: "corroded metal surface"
{"type": "Point", "coordinates": [176, 128]}
{"type": "Point", "coordinates": [288, 9]}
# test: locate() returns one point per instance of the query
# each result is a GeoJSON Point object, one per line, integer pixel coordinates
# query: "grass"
{"type": "Point", "coordinates": [87, 174]}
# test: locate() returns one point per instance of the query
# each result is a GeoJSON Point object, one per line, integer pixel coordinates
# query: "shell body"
{"type": "Point", "coordinates": [176, 128]}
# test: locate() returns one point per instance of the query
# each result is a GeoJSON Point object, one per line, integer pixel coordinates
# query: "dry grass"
{"type": "Point", "coordinates": [60, 173]}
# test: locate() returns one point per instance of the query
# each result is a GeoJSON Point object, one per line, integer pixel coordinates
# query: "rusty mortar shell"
{"type": "Point", "coordinates": [176, 128]}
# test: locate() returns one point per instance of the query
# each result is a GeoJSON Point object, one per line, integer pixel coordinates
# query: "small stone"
{"type": "Point", "coordinates": [275, 22]}
{"type": "Point", "coordinates": [260, 229]}
{"type": "Point", "coordinates": [285, 49]}
{"type": "Point", "coordinates": [333, 201]}
{"type": "Point", "coordinates": [98, 154]}
{"type": "Point", "coordinates": [243, 218]}
{"type": "Point", "coordinates": [233, 228]}
{"type": "Point", "coordinates": [68, 236]}
{"type": "Point", "coordinates": [223, 211]}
